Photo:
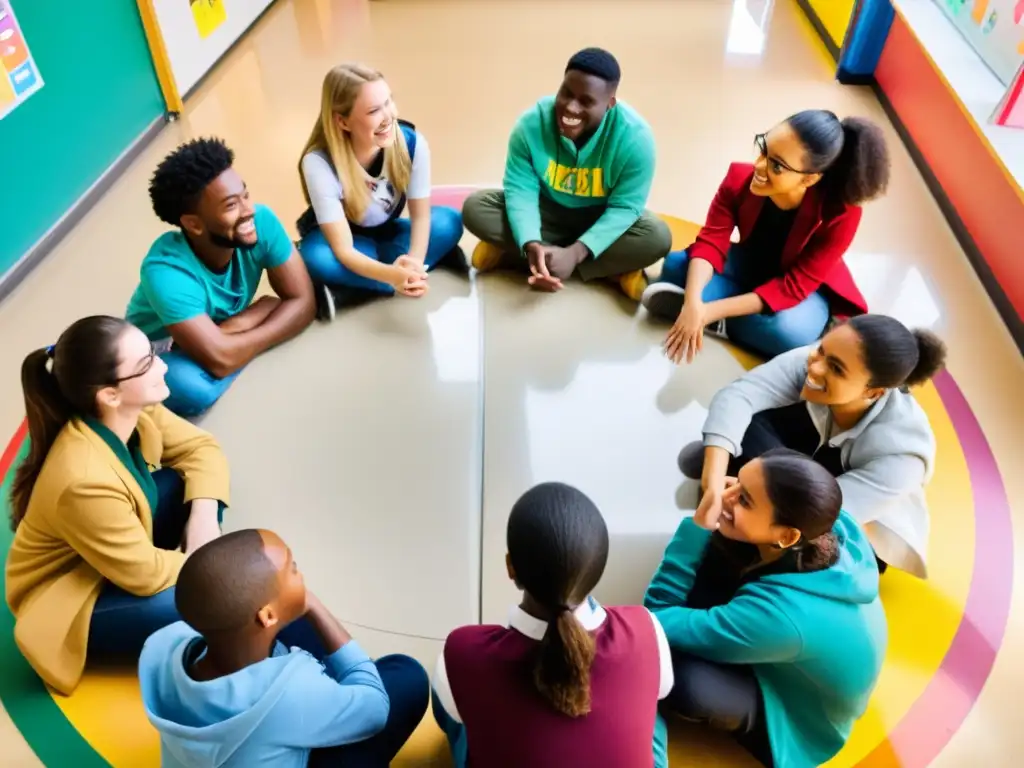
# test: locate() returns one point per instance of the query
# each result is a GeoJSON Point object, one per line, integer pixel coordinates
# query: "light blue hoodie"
{"type": "Point", "coordinates": [269, 714]}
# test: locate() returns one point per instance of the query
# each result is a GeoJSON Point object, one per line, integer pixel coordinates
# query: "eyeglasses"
{"type": "Point", "coordinates": [147, 365]}
{"type": "Point", "coordinates": [778, 166]}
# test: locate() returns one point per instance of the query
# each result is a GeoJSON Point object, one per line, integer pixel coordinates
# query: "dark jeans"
{"type": "Point", "coordinates": [648, 240]}
{"type": "Point", "coordinates": [408, 688]}
{"type": "Point", "coordinates": [723, 696]}
{"type": "Point", "coordinates": [121, 622]}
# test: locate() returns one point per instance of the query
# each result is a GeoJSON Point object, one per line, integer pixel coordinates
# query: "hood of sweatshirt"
{"type": "Point", "coordinates": [203, 724]}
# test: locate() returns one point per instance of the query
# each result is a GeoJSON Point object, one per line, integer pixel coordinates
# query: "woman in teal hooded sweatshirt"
{"type": "Point", "coordinates": [772, 614]}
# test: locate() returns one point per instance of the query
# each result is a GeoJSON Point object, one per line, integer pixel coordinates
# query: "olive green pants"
{"type": "Point", "coordinates": [648, 240]}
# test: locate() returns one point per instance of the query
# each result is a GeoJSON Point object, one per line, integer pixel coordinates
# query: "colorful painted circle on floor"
{"type": "Point", "coordinates": [944, 633]}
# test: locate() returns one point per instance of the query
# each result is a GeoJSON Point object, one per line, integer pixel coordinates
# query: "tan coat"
{"type": "Point", "coordinates": [89, 522]}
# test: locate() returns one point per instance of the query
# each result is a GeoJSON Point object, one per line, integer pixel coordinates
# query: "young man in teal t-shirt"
{"type": "Point", "coordinates": [579, 169]}
{"type": "Point", "coordinates": [195, 296]}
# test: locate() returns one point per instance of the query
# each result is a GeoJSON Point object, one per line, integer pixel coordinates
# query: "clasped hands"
{"type": "Point", "coordinates": [550, 265]}
{"type": "Point", "coordinates": [408, 277]}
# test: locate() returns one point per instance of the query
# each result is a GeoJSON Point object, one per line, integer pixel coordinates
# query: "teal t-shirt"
{"type": "Point", "coordinates": [176, 286]}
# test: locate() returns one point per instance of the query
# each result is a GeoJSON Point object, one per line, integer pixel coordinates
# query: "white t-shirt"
{"type": "Point", "coordinates": [325, 192]}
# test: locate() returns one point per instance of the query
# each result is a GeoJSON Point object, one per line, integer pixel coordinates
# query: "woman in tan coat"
{"type": "Point", "coordinates": [114, 494]}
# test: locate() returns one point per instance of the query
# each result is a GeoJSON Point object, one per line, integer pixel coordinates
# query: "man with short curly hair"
{"type": "Point", "coordinates": [195, 296]}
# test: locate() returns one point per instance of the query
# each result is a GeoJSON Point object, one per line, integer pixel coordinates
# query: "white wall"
{"type": "Point", "coordinates": [192, 56]}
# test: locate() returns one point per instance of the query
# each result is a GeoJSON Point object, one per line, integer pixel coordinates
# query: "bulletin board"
{"type": "Point", "coordinates": [194, 34]}
{"type": "Point", "coordinates": [19, 75]}
{"type": "Point", "coordinates": [994, 28]}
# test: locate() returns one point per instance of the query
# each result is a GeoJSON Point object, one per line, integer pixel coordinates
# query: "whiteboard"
{"type": "Point", "coordinates": [183, 24]}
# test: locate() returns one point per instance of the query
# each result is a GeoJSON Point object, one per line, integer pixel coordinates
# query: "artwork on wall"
{"type": "Point", "coordinates": [994, 28]}
{"type": "Point", "coordinates": [208, 15]}
{"type": "Point", "coordinates": [19, 77]}
{"type": "Point", "coordinates": [1010, 110]}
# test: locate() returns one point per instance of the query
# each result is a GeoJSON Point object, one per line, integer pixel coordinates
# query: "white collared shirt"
{"type": "Point", "coordinates": [591, 615]}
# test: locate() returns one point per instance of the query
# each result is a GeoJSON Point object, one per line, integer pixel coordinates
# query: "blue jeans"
{"type": "Point", "coordinates": [193, 389]}
{"type": "Point", "coordinates": [121, 622]}
{"type": "Point", "coordinates": [384, 244]}
{"type": "Point", "coordinates": [408, 688]}
{"type": "Point", "coordinates": [769, 334]}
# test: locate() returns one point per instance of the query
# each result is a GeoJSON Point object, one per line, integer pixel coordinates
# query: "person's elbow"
{"type": "Point", "coordinates": [377, 712]}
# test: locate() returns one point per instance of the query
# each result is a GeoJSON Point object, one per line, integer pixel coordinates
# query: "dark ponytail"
{"type": "Point", "coordinates": [558, 548]}
{"type": "Point", "coordinates": [852, 154]}
{"type": "Point", "coordinates": [562, 671]}
{"type": "Point", "coordinates": [84, 360]}
{"type": "Point", "coordinates": [895, 356]}
{"type": "Point", "coordinates": [805, 496]}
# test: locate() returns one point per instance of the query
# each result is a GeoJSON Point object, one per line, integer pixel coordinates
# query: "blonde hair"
{"type": "Point", "coordinates": [340, 91]}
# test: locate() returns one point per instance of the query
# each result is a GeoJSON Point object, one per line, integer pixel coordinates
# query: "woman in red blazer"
{"type": "Point", "coordinates": [797, 209]}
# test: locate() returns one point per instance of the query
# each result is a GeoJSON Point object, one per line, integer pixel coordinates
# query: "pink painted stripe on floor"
{"type": "Point", "coordinates": [944, 705]}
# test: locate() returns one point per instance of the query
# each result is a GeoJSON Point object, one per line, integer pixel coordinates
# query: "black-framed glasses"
{"type": "Point", "coordinates": [147, 365]}
{"type": "Point", "coordinates": [761, 144]}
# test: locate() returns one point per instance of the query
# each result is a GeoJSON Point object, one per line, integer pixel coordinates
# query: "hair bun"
{"type": "Point", "coordinates": [931, 357]}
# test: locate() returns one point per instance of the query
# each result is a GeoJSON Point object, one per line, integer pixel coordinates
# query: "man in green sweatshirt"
{"type": "Point", "coordinates": [579, 169]}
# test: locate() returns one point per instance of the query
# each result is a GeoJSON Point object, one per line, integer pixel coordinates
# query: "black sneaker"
{"type": "Point", "coordinates": [663, 300]}
{"type": "Point", "coordinates": [325, 306]}
{"type": "Point", "coordinates": [691, 460]}
{"type": "Point", "coordinates": [455, 260]}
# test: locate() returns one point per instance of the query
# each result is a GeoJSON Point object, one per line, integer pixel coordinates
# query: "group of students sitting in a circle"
{"type": "Point", "coordinates": [764, 617]}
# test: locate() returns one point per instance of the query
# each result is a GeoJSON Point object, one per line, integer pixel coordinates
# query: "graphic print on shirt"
{"type": "Point", "coordinates": [581, 182]}
{"type": "Point", "coordinates": [383, 192]}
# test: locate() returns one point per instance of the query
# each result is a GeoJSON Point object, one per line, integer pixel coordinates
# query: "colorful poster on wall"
{"type": "Point", "coordinates": [209, 14]}
{"type": "Point", "coordinates": [19, 77]}
{"type": "Point", "coordinates": [994, 28]}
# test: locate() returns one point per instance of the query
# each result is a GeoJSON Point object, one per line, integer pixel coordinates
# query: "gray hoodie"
{"type": "Point", "coordinates": [888, 456]}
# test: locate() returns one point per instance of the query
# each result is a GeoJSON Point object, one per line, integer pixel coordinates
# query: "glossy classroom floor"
{"type": "Point", "coordinates": [387, 448]}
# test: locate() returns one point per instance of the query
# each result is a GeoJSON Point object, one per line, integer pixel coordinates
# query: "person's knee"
{"type": "Point", "coordinates": [673, 269]}
{"type": "Point", "coordinates": [193, 390]}
{"type": "Point", "coordinates": [659, 236]}
{"type": "Point", "coordinates": [795, 327]}
{"type": "Point", "coordinates": [316, 253]}
{"type": "Point", "coordinates": [479, 211]}
{"type": "Point", "coordinates": [446, 226]}
{"type": "Point", "coordinates": [405, 678]}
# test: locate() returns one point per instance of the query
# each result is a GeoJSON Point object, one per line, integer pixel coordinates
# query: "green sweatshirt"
{"type": "Point", "coordinates": [815, 640]}
{"type": "Point", "coordinates": [613, 169]}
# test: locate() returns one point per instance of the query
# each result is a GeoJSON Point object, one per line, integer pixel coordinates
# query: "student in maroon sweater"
{"type": "Point", "coordinates": [567, 682]}
{"type": "Point", "coordinates": [797, 209]}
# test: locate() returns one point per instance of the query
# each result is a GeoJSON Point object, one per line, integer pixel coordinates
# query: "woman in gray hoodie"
{"type": "Point", "coordinates": [845, 402]}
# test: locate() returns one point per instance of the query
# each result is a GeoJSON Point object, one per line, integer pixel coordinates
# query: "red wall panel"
{"type": "Point", "coordinates": [989, 203]}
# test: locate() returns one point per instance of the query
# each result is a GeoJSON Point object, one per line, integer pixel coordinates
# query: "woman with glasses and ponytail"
{"type": "Point", "coordinates": [567, 682]}
{"type": "Point", "coordinates": [772, 614]}
{"type": "Point", "coordinates": [797, 209]}
{"type": "Point", "coordinates": [114, 493]}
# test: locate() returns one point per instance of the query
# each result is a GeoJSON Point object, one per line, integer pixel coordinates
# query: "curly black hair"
{"type": "Point", "coordinates": [851, 153]}
{"type": "Point", "coordinates": [181, 178]}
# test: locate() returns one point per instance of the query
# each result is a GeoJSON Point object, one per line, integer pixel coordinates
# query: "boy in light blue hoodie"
{"type": "Point", "coordinates": [261, 674]}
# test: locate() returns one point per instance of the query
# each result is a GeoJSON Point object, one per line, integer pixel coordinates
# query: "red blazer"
{"type": "Point", "coordinates": [813, 256]}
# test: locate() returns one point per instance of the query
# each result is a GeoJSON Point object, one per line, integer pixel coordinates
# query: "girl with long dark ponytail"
{"type": "Point", "coordinates": [101, 523]}
{"type": "Point", "coordinates": [568, 681]}
{"type": "Point", "coordinates": [58, 382]}
{"type": "Point", "coordinates": [798, 208]}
